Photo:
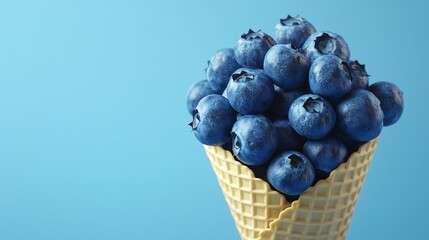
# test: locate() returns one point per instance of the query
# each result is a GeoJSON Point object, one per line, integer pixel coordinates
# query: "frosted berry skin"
{"type": "Point", "coordinates": [254, 139]}
{"type": "Point", "coordinates": [312, 116]}
{"type": "Point", "coordinates": [293, 30]}
{"type": "Point", "coordinates": [291, 173]}
{"type": "Point", "coordinates": [324, 43]}
{"type": "Point", "coordinates": [330, 77]}
{"type": "Point", "coordinates": [359, 75]}
{"type": "Point", "coordinates": [289, 139]}
{"type": "Point", "coordinates": [391, 101]}
{"type": "Point", "coordinates": [213, 119]}
{"type": "Point", "coordinates": [286, 66]}
{"type": "Point", "coordinates": [250, 91]}
{"type": "Point", "coordinates": [360, 117]}
{"type": "Point", "coordinates": [196, 92]}
{"type": "Point", "coordinates": [252, 47]}
{"type": "Point", "coordinates": [325, 154]}
{"type": "Point", "coordinates": [220, 67]}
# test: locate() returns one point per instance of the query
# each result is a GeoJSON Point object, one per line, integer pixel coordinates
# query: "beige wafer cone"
{"type": "Point", "coordinates": [323, 211]}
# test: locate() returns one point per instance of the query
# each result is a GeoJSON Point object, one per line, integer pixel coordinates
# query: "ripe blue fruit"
{"type": "Point", "coordinates": [220, 67]}
{"type": "Point", "coordinates": [250, 91]}
{"type": "Point", "coordinates": [293, 30]}
{"type": "Point", "coordinates": [359, 115]}
{"type": "Point", "coordinates": [312, 116]}
{"type": "Point", "coordinates": [291, 173]}
{"type": "Point", "coordinates": [213, 119]}
{"type": "Point", "coordinates": [325, 154]}
{"type": "Point", "coordinates": [391, 101]}
{"type": "Point", "coordinates": [324, 43]}
{"type": "Point", "coordinates": [288, 138]}
{"type": "Point", "coordinates": [359, 75]}
{"type": "Point", "coordinates": [330, 77]}
{"type": "Point", "coordinates": [196, 92]}
{"type": "Point", "coordinates": [252, 47]}
{"type": "Point", "coordinates": [254, 139]}
{"type": "Point", "coordinates": [282, 101]}
{"type": "Point", "coordinates": [286, 66]}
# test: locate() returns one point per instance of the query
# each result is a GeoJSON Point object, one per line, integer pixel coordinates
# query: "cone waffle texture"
{"type": "Point", "coordinates": [323, 211]}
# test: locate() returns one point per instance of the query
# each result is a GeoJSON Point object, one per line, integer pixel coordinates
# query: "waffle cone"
{"type": "Point", "coordinates": [323, 211]}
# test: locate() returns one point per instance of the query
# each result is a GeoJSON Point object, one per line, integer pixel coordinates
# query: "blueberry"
{"type": "Point", "coordinates": [213, 119]}
{"type": "Point", "coordinates": [359, 75]}
{"type": "Point", "coordinates": [254, 139]}
{"type": "Point", "coordinates": [291, 173]}
{"type": "Point", "coordinates": [282, 101]}
{"type": "Point", "coordinates": [312, 116]}
{"type": "Point", "coordinates": [330, 77]}
{"type": "Point", "coordinates": [252, 47]}
{"type": "Point", "coordinates": [287, 67]}
{"type": "Point", "coordinates": [391, 101]}
{"type": "Point", "coordinates": [323, 43]}
{"type": "Point", "coordinates": [325, 154]}
{"type": "Point", "coordinates": [220, 68]}
{"type": "Point", "coordinates": [293, 30]}
{"type": "Point", "coordinates": [289, 139]}
{"type": "Point", "coordinates": [250, 91]}
{"type": "Point", "coordinates": [360, 117]}
{"type": "Point", "coordinates": [196, 92]}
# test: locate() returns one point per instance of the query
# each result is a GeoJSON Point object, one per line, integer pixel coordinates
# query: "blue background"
{"type": "Point", "coordinates": [94, 142]}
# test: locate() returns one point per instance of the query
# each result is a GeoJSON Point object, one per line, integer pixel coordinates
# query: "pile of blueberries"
{"type": "Point", "coordinates": [292, 107]}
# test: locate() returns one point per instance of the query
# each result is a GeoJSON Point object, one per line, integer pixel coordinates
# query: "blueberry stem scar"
{"type": "Point", "coordinates": [313, 105]}
{"type": "Point", "coordinates": [236, 143]}
{"type": "Point", "coordinates": [295, 160]}
{"type": "Point", "coordinates": [242, 74]}
{"type": "Point", "coordinates": [195, 119]}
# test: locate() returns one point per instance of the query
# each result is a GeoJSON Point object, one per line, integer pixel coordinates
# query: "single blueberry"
{"type": "Point", "coordinates": [325, 154]}
{"type": "Point", "coordinates": [220, 67]}
{"type": "Point", "coordinates": [213, 119]}
{"type": "Point", "coordinates": [254, 139]}
{"type": "Point", "coordinates": [360, 117]}
{"type": "Point", "coordinates": [291, 173]}
{"type": "Point", "coordinates": [359, 75]}
{"type": "Point", "coordinates": [312, 116]}
{"type": "Point", "coordinates": [252, 47]}
{"type": "Point", "coordinates": [196, 92]}
{"type": "Point", "coordinates": [324, 43]}
{"type": "Point", "coordinates": [391, 101]}
{"type": "Point", "coordinates": [293, 30]}
{"type": "Point", "coordinates": [286, 66]}
{"type": "Point", "coordinates": [250, 91]}
{"type": "Point", "coordinates": [330, 77]}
